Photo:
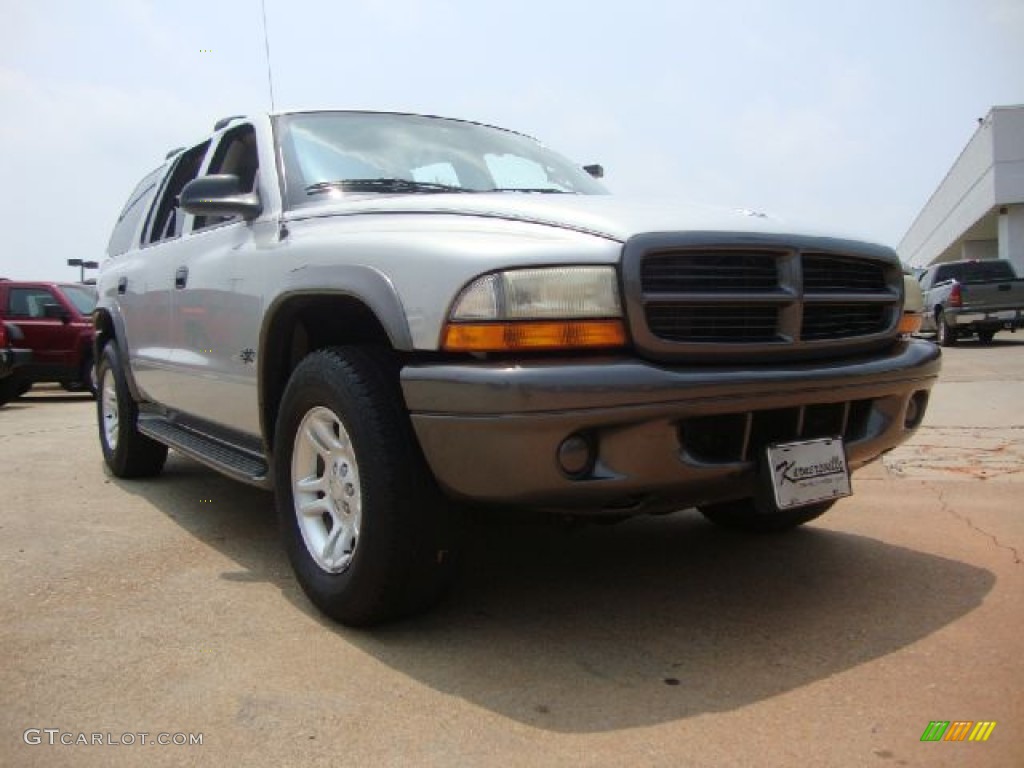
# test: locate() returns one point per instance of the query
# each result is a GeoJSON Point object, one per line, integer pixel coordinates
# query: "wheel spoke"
{"type": "Point", "coordinates": [321, 435]}
{"type": "Point", "coordinates": [315, 507]}
{"type": "Point", "coordinates": [311, 484]}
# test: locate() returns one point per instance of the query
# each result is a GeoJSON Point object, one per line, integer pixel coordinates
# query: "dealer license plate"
{"type": "Point", "coordinates": [808, 472]}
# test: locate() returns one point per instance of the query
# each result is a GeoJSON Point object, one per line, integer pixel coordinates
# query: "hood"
{"type": "Point", "coordinates": [610, 216]}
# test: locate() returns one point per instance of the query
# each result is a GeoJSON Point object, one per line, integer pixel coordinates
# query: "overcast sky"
{"type": "Point", "coordinates": [845, 115]}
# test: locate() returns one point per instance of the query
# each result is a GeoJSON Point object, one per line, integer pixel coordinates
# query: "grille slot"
{"type": "Point", "coordinates": [726, 324]}
{"type": "Point", "coordinates": [709, 272]}
{"type": "Point", "coordinates": [734, 437]}
{"type": "Point", "coordinates": [824, 273]}
{"type": "Point", "coordinates": [839, 321]}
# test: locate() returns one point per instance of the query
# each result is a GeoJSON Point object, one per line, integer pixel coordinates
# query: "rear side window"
{"type": "Point", "coordinates": [126, 232]}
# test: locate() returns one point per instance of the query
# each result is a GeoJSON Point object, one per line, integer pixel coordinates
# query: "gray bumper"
{"type": "Point", "coordinates": [491, 432]}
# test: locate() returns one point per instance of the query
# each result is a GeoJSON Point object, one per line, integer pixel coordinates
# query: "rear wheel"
{"type": "Point", "coordinates": [985, 337]}
{"type": "Point", "coordinates": [9, 389]}
{"type": "Point", "coordinates": [127, 452]}
{"type": "Point", "coordinates": [745, 515]}
{"type": "Point", "coordinates": [945, 334]}
{"type": "Point", "coordinates": [365, 528]}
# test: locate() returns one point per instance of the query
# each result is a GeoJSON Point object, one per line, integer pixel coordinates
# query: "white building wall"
{"type": "Point", "coordinates": [1011, 236]}
{"type": "Point", "coordinates": [964, 211]}
{"type": "Point", "coordinates": [964, 196]}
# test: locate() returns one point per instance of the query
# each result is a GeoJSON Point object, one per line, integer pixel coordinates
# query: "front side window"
{"type": "Point", "coordinates": [235, 154]}
{"type": "Point", "coordinates": [29, 302]}
{"type": "Point", "coordinates": [360, 153]}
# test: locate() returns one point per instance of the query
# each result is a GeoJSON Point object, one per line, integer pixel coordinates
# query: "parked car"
{"type": "Point", "coordinates": [55, 323]}
{"type": "Point", "coordinates": [12, 358]}
{"type": "Point", "coordinates": [972, 297]}
{"type": "Point", "coordinates": [381, 315]}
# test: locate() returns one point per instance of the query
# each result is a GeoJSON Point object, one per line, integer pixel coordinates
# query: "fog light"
{"type": "Point", "coordinates": [915, 409]}
{"type": "Point", "coordinates": [575, 456]}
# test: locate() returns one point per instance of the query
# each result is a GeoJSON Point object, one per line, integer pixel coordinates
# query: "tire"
{"type": "Point", "coordinates": [86, 381]}
{"type": "Point", "coordinates": [744, 515]}
{"type": "Point", "coordinates": [9, 390]}
{"type": "Point", "coordinates": [127, 452]}
{"type": "Point", "coordinates": [985, 337]}
{"type": "Point", "coordinates": [945, 334]}
{"type": "Point", "coordinates": [368, 535]}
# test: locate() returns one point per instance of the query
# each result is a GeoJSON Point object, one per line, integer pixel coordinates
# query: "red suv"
{"type": "Point", "coordinates": [53, 320]}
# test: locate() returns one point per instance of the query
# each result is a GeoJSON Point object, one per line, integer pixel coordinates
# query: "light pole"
{"type": "Point", "coordinates": [82, 266]}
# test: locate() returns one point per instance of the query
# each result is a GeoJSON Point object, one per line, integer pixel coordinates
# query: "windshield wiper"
{"type": "Point", "coordinates": [382, 185]}
{"type": "Point", "coordinates": [543, 190]}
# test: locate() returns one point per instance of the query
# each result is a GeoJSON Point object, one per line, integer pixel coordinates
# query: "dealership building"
{"type": "Point", "coordinates": [977, 212]}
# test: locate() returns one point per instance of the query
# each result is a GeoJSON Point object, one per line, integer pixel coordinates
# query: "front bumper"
{"type": "Point", "coordinates": [492, 432]}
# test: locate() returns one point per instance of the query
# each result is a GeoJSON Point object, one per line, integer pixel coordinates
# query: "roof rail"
{"type": "Point", "coordinates": [225, 120]}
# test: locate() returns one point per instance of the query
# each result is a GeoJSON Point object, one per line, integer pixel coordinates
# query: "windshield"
{"type": "Point", "coordinates": [82, 297]}
{"type": "Point", "coordinates": [362, 153]}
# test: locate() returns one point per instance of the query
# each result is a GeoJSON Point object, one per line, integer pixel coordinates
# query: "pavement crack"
{"type": "Point", "coordinates": [946, 507]}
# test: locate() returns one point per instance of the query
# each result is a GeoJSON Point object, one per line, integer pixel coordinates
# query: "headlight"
{"type": "Point", "coordinates": [545, 308]}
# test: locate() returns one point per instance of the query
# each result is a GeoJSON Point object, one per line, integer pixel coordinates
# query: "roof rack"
{"type": "Point", "coordinates": [225, 120]}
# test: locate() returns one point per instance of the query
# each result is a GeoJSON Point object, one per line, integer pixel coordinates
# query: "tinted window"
{"type": "Point", "coordinates": [126, 232]}
{"type": "Point", "coordinates": [82, 297]}
{"type": "Point", "coordinates": [29, 302]}
{"type": "Point", "coordinates": [167, 219]}
{"type": "Point", "coordinates": [975, 272]}
{"type": "Point", "coordinates": [235, 154]}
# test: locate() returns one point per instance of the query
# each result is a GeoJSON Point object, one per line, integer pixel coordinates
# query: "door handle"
{"type": "Point", "coordinates": [122, 285]}
{"type": "Point", "coordinates": [181, 277]}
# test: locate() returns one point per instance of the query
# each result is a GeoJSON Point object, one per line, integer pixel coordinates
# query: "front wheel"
{"type": "Point", "coordinates": [364, 526]}
{"type": "Point", "coordinates": [745, 515]}
{"type": "Point", "coordinates": [127, 452]}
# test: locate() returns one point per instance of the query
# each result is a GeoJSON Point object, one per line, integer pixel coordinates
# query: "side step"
{"type": "Point", "coordinates": [226, 458]}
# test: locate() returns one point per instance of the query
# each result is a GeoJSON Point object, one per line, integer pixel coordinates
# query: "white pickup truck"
{"type": "Point", "coordinates": [383, 317]}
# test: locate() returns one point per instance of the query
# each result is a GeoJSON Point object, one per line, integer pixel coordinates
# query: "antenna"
{"type": "Point", "coordinates": [266, 46]}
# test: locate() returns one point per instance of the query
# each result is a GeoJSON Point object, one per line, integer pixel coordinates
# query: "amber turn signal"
{"type": "Point", "coordinates": [521, 336]}
{"type": "Point", "coordinates": [910, 322]}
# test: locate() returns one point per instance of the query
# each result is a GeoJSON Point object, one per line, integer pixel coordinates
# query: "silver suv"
{"type": "Point", "coordinates": [379, 316]}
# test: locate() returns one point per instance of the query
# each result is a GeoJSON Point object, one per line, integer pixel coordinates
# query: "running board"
{"type": "Point", "coordinates": [226, 458]}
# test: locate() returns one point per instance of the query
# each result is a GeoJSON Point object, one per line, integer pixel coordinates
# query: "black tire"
{"type": "Point", "coordinates": [745, 515]}
{"type": "Point", "coordinates": [985, 337]}
{"type": "Point", "coordinates": [945, 334]}
{"type": "Point", "coordinates": [127, 452]}
{"type": "Point", "coordinates": [393, 557]}
{"type": "Point", "coordinates": [86, 381]}
{"type": "Point", "coordinates": [9, 389]}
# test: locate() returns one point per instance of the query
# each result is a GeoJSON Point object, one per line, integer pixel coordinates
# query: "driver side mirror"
{"type": "Point", "coordinates": [56, 312]}
{"type": "Point", "coordinates": [220, 195]}
{"type": "Point", "coordinates": [597, 171]}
